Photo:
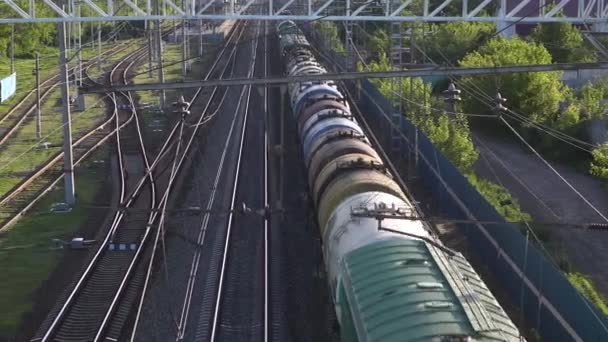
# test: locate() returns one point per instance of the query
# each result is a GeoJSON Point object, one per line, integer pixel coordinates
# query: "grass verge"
{"type": "Point", "coordinates": [22, 156]}
{"type": "Point", "coordinates": [26, 256]}
{"type": "Point", "coordinates": [585, 286]}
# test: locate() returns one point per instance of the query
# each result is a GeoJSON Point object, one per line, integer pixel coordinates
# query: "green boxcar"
{"type": "Point", "coordinates": [408, 290]}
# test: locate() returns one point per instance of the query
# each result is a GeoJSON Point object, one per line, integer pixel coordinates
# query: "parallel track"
{"type": "Point", "coordinates": [78, 318]}
{"type": "Point", "coordinates": [22, 112]}
{"type": "Point", "coordinates": [92, 311]}
{"type": "Point", "coordinates": [214, 101]}
{"type": "Point", "coordinates": [31, 189]}
{"type": "Point", "coordinates": [240, 310]}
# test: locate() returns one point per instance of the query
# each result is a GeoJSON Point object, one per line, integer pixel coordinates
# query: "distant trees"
{"type": "Point", "coordinates": [564, 42]}
{"type": "Point", "coordinates": [330, 33]}
{"type": "Point", "coordinates": [29, 38]}
{"type": "Point", "coordinates": [537, 95]}
{"type": "Point", "coordinates": [451, 41]}
{"type": "Point", "coordinates": [451, 135]}
{"type": "Point", "coordinates": [592, 96]}
{"type": "Point", "coordinates": [599, 164]}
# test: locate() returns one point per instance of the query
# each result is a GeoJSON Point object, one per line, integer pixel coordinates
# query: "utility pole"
{"type": "Point", "coordinates": [99, 48]}
{"type": "Point", "coordinates": [79, 75]}
{"type": "Point", "coordinates": [412, 62]}
{"type": "Point", "coordinates": [200, 47]}
{"type": "Point", "coordinates": [159, 49]}
{"type": "Point", "coordinates": [283, 90]}
{"type": "Point", "coordinates": [184, 47]}
{"type": "Point", "coordinates": [12, 49]}
{"type": "Point", "coordinates": [38, 113]}
{"type": "Point", "coordinates": [68, 162]}
{"type": "Point", "coordinates": [452, 96]}
{"type": "Point", "coordinates": [150, 48]}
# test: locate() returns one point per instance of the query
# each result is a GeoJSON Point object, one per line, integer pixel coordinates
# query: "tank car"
{"type": "Point", "coordinates": [391, 279]}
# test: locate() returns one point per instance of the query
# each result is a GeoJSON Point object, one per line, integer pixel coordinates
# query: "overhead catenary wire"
{"type": "Point", "coordinates": [43, 139]}
{"type": "Point", "coordinates": [585, 200]}
{"type": "Point", "coordinates": [474, 88]}
{"type": "Point", "coordinates": [551, 131]}
{"type": "Point", "coordinates": [564, 180]}
{"type": "Point", "coordinates": [552, 309]}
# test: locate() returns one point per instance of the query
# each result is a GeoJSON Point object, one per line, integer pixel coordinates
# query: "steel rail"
{"type": "Point", "coordinates": [93, 263]}
{"type": "Point", "coordinates": [266, 186]}
{"type": "Point", "coordinates": [151, 216]}
{"type": "Point", "coordinates": [46, 92]}
{"type": "Point", "coordinates": [44, 84]}
{"type": "Point", "coordinates": [203, 229]}
{"type": "Point", "coordinates": [165, 198]}
{"type": "Point", "coordinates": [49, 187]}
{"type": "Point", "coordinates": [246, 89]}
{"type": "Point", "coordinates": [19, 189]}
{"type": "Point", "coordinates": [158, 232]}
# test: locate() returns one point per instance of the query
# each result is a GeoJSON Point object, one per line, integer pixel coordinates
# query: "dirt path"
{"type": "Point", "coordinates": [543, 195]}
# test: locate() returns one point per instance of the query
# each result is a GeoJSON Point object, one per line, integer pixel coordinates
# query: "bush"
{"type": "Point", "coordinates": [585, 286]}
{"type": "Point", "coordinates": [329, 30]}
{"type": "Point", "coordinates": [500, 199]}
{"type": "Point", "coordinates": [599, 165]}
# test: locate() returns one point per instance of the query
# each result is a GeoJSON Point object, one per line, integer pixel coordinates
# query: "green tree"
{"type": "Point", "coordinates": [29, 38]}
{"type": "Point", "coordinates": [378, 42]}
{"type": "Point", "coordinates": [451, 135]}
{"type": "Point", "coordinates": [599, 165]}
{"type": "Point", "coordinates": [537, 95]}
{"type": "Point", "coordinates": [330, 32]}
{"type": "Point", "coordinates": [452, 40]}
{"type": "Point", "coordinates": [565, 42]}
{"type": "Point", "coordinates": [591, 98]}
{"type": "Point", "coordinates": [569, 117]}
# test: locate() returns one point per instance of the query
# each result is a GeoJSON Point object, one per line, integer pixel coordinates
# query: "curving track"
{"type": "Point", "coordinates": [101, 301]}
{"type": "Point", "coordinates": [31, 189]}
{"type": "Point", "coordinates": [22, 112]}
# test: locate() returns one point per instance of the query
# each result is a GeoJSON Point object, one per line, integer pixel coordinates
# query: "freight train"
{"type": "Point", "coordinates": [391, 279]}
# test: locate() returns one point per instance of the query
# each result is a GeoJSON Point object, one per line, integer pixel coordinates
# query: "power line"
{"type": "Point", "coordinates": [599, 213]}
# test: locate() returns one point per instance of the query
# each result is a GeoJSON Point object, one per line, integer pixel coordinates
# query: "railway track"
{"type": "Point", "coordinates": [23, 111]}
{"type": "Point", "coordinates": [215, 99]}
{"type": "Point", "coordinates": [75, 313]}
{"type": "Point", "coordinates": [23, 196]}
{"type": "Point", "coordinates": [241, 309]}
{"type": "Point", "coordinates": [234, 290]}
{"type": "Point", "coordinates": [100, 303]}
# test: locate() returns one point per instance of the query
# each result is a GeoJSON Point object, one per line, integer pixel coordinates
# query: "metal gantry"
{"type": "Point", "coordinates": [503, 12]}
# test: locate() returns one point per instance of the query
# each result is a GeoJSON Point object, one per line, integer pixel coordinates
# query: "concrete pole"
{"type": "Point", "coordinates": [283, 90]}
{"type": "Point", "coordinates": [150, 48]}
{"type": "Point", "coordinates": [159, 49]}
{"type": "Point", "coordinates": [38, 111]}
{"type": "Point", "coordinates": [413, 61]}
{"type": "Point", "coordinates": [79, 75]}
{"type": "Point", "coordinates": [69, 29]}
{"type": "Point", "coordinates": [99, 48]}
{"type": "Point", "coordinates": [12, 48]}
{"type": "Point", "coordinates": [200, 41]}
{"type": "Point", "coordinates": [184, 47]}
{"type": "Point", "coordinates": [68, 161]}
